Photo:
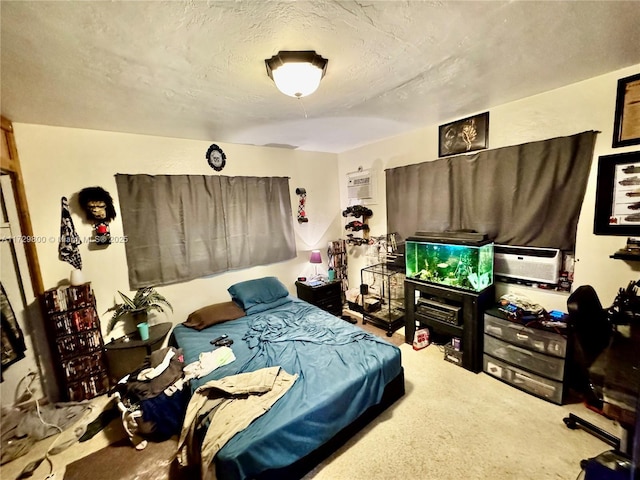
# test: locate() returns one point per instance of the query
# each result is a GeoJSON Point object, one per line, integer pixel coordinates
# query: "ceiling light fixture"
{"type": "Point", "coordinates": [297, 74]}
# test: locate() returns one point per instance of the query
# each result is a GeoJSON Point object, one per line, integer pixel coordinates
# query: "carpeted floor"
{"type": "Point", "coordinates": [396, 339]}
{"type": "Point", "coordinates": [120, 461]}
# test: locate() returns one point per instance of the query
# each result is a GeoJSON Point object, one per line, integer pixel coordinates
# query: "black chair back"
{"type": "Point", "coordinates": [591, 333]}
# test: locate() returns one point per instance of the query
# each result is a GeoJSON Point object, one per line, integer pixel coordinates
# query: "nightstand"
{"type": "Point", "coordinates": [327, 296]}
{"type": "Point", "coordinates": [127, 353]}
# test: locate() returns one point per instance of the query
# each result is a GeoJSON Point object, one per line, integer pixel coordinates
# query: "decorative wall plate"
{"type": "Point", "coordinates": [216, 157]}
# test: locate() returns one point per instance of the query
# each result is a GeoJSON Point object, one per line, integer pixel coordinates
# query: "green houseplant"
{"type": "Point", "coordinates": [145, 301]}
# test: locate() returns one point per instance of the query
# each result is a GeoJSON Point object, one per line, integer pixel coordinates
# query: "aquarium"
{"type": "Point", "coordinates": [457, 263]}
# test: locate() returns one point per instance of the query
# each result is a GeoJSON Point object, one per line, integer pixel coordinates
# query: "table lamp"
{"type": "Point", "coordinates": [315, 259]}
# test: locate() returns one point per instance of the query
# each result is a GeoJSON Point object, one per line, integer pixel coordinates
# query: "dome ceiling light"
{"type": "Point", "coordinates": [296, 74]}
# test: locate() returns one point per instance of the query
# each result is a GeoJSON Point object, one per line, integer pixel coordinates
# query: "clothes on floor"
{"type": "Point", "coordinates": [228, 406]}
{"type": "Point", "coordinates": [152, 399]}
{"type": "Point", "coordinates": [60, 414]}
{"type": "Point", "coordinates": [105, 418]}
{"type": "Point", "coordinates": [162, 415]}
{"type": "Point", "coordinates": [21, 428]}
{"type": "Point", "coordinates": [153, 372]}
{"type": "Point", "coordinates": [138, 388]}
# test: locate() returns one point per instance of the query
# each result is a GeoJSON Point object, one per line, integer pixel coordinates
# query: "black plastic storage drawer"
{"type": "Point", "coordinates": [530, 338]}
{"type": "Point", "coordinates": [529, 382]}
{"type": "Point", "coordinates": [539, 363]}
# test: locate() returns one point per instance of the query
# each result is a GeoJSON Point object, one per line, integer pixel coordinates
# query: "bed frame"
{"type": "Point", "coordinates": [393, 392]}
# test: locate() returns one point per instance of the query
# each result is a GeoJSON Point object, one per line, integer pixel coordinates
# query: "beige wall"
{"type": "Point", "coordinates": [587, 105]}
{"type": "Point", "coordinates": [60, 162]}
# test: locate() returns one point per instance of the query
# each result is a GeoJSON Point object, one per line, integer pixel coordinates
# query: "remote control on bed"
{"type": "Point", "coordinates": [219, 339]}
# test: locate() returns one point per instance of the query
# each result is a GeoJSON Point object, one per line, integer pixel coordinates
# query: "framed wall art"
{"type": "Point", "coordinates": [466, 135]}
{"type": "Point", "coordinates": [626, 127]}
{"type": "Point", "coordinates": [618, 195]}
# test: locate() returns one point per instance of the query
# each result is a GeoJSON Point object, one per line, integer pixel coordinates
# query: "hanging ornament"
{"type": "Point", "coordinates": [302, 214]}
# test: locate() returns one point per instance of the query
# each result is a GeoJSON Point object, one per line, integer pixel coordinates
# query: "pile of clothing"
{"type": "Point", "coordinates": [153, 398]}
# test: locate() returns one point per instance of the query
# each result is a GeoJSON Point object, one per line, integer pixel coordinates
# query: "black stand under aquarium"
{"type": "Point", "coordinates": [448, 286]}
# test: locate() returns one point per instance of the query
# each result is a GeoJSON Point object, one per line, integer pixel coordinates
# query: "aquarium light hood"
{"type": "Point", "coordinates": [453, 236]}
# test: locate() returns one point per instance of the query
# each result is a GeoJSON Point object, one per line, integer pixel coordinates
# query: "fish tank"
{"type": "Point", "coordinates": [460, 261]}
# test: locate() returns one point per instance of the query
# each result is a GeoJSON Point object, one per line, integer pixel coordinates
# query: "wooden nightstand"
{"type": "Point", "coordinates": [327, 296]}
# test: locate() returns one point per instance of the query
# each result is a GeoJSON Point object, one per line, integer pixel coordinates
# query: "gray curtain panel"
{"type": "Point", "coordinates": [181, 227]}
{"type": "Point", "coordinates": [528, 194]}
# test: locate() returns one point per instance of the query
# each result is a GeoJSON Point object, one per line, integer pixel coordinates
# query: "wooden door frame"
{"type": "Point", "coordinates": [10, 165]}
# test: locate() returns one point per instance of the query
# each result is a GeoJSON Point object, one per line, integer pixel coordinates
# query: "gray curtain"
{"type": "Point", "coordinates": [528, 194]}
{"type": "Point", "coordinates": [181, 227]}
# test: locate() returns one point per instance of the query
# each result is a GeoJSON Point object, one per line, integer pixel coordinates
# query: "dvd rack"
{"type": "Point", "coordinates": [76, 341]}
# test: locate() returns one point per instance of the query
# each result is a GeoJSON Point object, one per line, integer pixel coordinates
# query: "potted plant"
{"type": "Point", "coordinates": [146, 300]}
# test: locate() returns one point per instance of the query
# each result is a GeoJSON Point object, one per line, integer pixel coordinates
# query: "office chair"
{"type": "Point", "coordinates": [591, 333]}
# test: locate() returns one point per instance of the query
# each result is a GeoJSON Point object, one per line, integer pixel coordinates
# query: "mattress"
{"type": "Point", "coordinates": [343, 371]}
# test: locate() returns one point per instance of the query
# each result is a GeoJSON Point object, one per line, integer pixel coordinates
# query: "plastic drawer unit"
{"type": "Point", "coordinates": [547, 365]}
{"type": "Point", "coordinates": [531, 359]}
{"type": "Point", "coordinates": [533, 339]}
{"type": "Point", "coordinates": [529, 382]}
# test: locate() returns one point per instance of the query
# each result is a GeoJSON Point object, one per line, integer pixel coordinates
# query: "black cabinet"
{"type": "Point", "coordinates": [450, 312]}
{"type": "Point", "coordinates": [327, 296]}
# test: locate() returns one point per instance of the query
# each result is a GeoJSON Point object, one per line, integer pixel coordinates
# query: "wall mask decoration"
{"type": "Point", "coordinates": [98, 207]}
{"type": "Point", "coordinates": [216, 157]}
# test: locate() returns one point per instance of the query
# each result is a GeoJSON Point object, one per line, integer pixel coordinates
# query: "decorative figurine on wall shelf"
{"type": "Point", "coordinates": [98, 206]}
{"type": "Point", "coordinates": [216, 157]}
{"type": "Point", "coordinates": [302, 214]}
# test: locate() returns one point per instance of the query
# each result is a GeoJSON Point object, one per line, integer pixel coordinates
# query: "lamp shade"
{"type": "Point", "coordinates": [296, 74]}
{"type": "Point", "coordinates": [315, 257]}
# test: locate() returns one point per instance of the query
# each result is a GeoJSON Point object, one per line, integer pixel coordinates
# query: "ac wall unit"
{"type": "Point", "coordinates": [528, 263]}
{"type": "Point", "coordinates": [361, 187]}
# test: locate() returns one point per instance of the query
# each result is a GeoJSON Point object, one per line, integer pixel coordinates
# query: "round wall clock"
{"type": "Point", "coordinates": [216, 157]}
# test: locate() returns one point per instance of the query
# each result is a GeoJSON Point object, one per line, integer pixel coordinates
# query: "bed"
{"type": "Point", "coordinates": [345, 377]}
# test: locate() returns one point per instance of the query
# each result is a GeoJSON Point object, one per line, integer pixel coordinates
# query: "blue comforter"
{"type": "Point", "coordinates": [342, 370]}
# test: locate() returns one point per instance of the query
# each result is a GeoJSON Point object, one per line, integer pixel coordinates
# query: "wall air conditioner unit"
{"type": "Point", "coordinates": [527, 263]}
{"type": "Point", "coordinates": [361, 187]}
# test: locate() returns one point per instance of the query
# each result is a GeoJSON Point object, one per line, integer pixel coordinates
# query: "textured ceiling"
{"type": "Point", "coordinates": [195, 69]}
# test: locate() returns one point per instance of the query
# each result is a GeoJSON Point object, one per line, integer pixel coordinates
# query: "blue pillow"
{"type": "Point", "coordinates": [261, 307]}
{"type": "Point", "coordinates": [253, 292]}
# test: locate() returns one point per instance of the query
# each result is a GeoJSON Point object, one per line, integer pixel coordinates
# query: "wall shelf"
{"type": "Point", "coordinates": [623, 255]}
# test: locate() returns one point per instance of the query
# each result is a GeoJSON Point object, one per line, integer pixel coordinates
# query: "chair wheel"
{"type": "Point", "coordinates": [570, 423]}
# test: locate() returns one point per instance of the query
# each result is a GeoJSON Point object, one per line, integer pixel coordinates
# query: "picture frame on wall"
{"type": "Point", "coordinates": [618, 195]}
{"type": "Point", "coordinates": [462, 136]}
{"type": "Point", "coordinates": [626, 127]}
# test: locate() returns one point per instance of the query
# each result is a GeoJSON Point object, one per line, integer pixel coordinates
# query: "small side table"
{"type": "Point", "coordinates": [327, 296]}
{"type": "Point", "coordinates": [127, 353]}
